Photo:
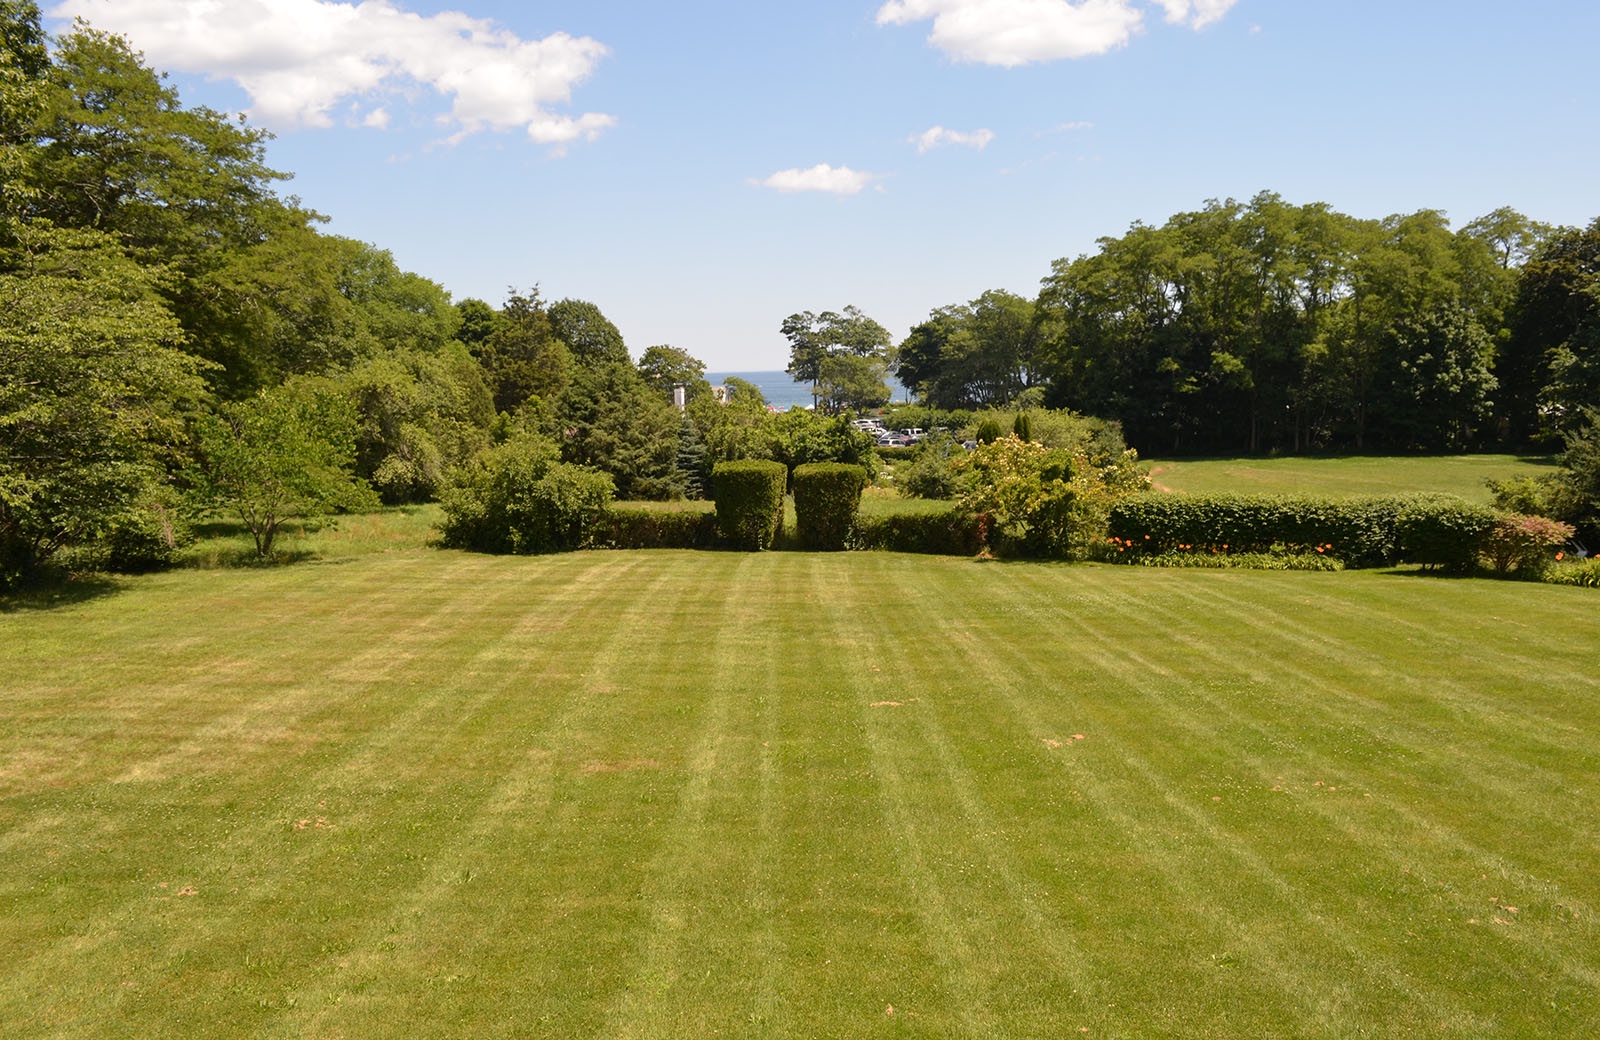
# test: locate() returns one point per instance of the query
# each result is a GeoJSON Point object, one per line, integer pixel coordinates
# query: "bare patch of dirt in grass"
{"type": "Point", "coordinates": [893, 704]}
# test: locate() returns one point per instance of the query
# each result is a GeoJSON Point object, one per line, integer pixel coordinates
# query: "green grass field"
{"type": "Point", "coordinates": [698, 794]}
{"type": "Point", "coordinates": [1462, 475]}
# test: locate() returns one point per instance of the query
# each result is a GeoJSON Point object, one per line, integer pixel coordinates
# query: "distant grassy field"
{"type": "Point", "coordinates": [683, 794]}
{"type": "Point", "coordinates": [1462, 475]}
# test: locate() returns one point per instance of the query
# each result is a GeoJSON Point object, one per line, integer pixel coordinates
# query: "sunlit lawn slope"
{"type": "Point", "coordinates": [1462, 475]}
{"type": "Point", "coordinates": [698, 794]}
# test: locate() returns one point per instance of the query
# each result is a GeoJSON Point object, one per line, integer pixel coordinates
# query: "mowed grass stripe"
{"type": "Point", "coordinates": [1206, 733]}
{"type": "Point", "coordinates": [352, 810]}
{"type": "Point", "coordinates": [486, 899]}
{"type": "Point", "coordinates": [1404, 721]}
{"type": "Point", "coordinates": [650, 794]}
{"type": "Point", "coordinates": [1007, 957]}
{"type": "Point", "coordinates": [1170, 855]}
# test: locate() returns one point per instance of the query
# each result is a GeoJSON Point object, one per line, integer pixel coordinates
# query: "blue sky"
{"type": "Point", "coordinates": [702, 169]}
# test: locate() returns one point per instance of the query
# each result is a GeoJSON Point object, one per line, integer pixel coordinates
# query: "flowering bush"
{"type": "Point", "coordinates": [1044, 502]}
{"type": "Point", "coordinates": [1525, 544]}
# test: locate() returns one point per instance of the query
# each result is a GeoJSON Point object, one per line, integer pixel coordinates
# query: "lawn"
{"type": "Point", "coordinates": [1462, 475]}
{"type": "Point", "coordinates": [681, 794]}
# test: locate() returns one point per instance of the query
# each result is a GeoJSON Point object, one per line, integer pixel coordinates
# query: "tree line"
{"type": "Point", "coordinates": [1269, 326]}
{"type": "Point", "coordinates": [177, 336]}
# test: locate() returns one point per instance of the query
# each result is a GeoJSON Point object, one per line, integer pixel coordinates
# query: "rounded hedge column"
{"type": "Point", "coordinates": [749, 497]}
{"type": "Point", "coordinates": [826, 498]}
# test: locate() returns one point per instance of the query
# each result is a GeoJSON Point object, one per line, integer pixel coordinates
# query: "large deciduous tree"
{"type": "Point", "coordinates": [818, 342]}
{"type": "Point", "coordinates": [93, 391]}
{"type": "Point", "coordinates": [587, 332]}
{"type": "Point", "coordinates": [664, 367]}
{"type": "Point", "coordinates": [1264, 325]}
{"type": "Point", "coordinates": [1550, 367]}
{"type": "Point", "coordinates": [974, 355]}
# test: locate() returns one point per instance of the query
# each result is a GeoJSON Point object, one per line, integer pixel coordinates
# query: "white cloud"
{"type": "Point", "coordinates": [1197, 14]}
{"type": "Point", "coordinates": [299, 60]}
{"type": "Point", "coordinates": [838, 180]}
{"type": "Point", "coordinates": [1067, 128]}
{"type": "Point", "coordinates": [935, 137]}
{"type": "Point", "coordinates": [1017, 32]}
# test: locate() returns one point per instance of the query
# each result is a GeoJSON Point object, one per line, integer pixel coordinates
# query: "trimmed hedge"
{"type": "Point", "coordinates": [749, 497]}
{"type": "Point", "coordinates": [1443, 532]}
{"type": "Point", "coordinates": [1434, 530]}
{"type": "Point", "coordinates": [827, 496]}
{"type": "Point", "coordinates": [955, 532]}
{"type": "Point", "coordinates": [624, 528]}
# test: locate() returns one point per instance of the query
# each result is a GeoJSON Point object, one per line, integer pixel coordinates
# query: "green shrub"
{"type": "Point", "coordinates": [1022, 426]}
{"type": "Point", "coordinates": [988, 432]}
{"type": "Point", "coordinates": [930, 472]}
{"type": "Point", "coordinates": [149, 535]}
{"type": "Point", "coordinates": [1044, 502]}
{"type": "Point", "coordinates": [749, 497]}
{"type": "Point", "coordinates": [827, 496]}
{"type": "Point", "coordinates": [516, 498]}
{"type": "Point", "coordinates": [956, 532]}
{"type": "Point", "coordinates": [1360, 532]}
{"type": "Point", "coordinates": [1525, 544]}
{"type": "Point", "coordinates": [1441, 531]}
{"type": "Point", "coordinates": [624, 528]}
{"type": "Point", "coordinates": [1583, 573]}
{"type": "Point", "coordinates": [893, 454]}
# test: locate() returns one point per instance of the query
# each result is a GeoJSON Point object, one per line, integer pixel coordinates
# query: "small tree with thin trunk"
{"type": "Point", "coordinates": [282, 455]}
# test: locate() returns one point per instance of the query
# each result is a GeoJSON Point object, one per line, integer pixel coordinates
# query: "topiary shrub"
{"type": "Point", "coordinates": [1443, 532]}
{"type": "Point", "coordinates": [827, 496]}
{"type": "Point", "coordinates": [1022, 426]}
{"type": "Point", "coordinates": [988, 432]}
{"type": "Point", "coordinates": [516, 498]}
{"type": "Point", "coordinates": [749, 498]}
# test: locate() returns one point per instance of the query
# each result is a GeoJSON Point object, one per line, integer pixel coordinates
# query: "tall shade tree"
{"type": "Point", "coordinates": [525, 362]}
{"type": "Point", "coordinates": [419, 414]}
{"type": "Point", "coordinates": [93, 392]}
{"type": "Point", "coordinates": [1550, 367]}
{"type": "Point", "coordinates": [974, 355]}
{"type": "Point", "coordinates": [587, 332]}
{"type": "Point", "coordinates": [1270, 326]}
{"type": "Point", "coordinates": [664, 367]}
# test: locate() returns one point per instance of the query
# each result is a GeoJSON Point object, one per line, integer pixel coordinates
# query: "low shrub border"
{"type": "Point", "coordinates": [624, 528]}
{"type": "Point", "coordinates": [954, 532]}
{"type": "Point", "coordinates": [1434, 530]}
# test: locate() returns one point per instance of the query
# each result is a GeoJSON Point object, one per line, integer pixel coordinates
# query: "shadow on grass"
{"type": "Point", "coordinates": [55, 591]}
{"type": "Point", "coordinates": [228, 558]}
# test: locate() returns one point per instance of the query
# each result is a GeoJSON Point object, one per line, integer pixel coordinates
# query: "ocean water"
{"type": "Point", "coordinates": [784, 393]}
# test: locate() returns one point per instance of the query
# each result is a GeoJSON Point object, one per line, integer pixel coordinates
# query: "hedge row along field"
{"type": "Point", "coordinates": [614, 794]}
